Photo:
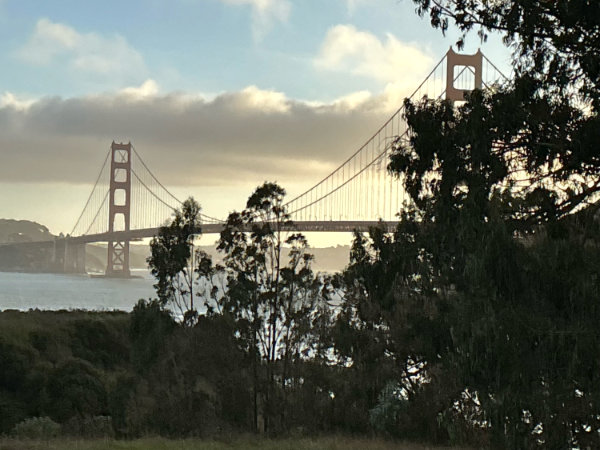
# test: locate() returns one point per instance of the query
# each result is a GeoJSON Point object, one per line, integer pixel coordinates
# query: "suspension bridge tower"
{"type": "Point", "coordinates": [119, 210]}
{"type": "Point", "coordinates": [456, 61]}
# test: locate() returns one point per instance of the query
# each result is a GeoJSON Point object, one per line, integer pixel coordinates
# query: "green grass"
{"type": "Point", "coordinates": [330, 443]}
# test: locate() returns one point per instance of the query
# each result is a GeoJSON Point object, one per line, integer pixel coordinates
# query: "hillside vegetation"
{"type": "Point", "coordinates": [23, 231]}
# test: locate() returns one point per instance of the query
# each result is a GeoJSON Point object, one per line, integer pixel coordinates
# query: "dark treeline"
{"type": "Point", "coordinates": [475, 322]}
{"type": "Point", "coordinates": [504, 355]}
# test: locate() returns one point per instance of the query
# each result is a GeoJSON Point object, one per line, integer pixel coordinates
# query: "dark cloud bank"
{"type": "Point", "coordinates": [235, 137]}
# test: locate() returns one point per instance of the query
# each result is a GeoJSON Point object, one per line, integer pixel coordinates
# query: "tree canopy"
{"type": "Point", "coordinates": [497, 254]}
{"type": "Point", "coordinates": [170, 262]}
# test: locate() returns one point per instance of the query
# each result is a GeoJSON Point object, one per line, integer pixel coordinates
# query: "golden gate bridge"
{"type": "Point", "coordinates": [128, 202]}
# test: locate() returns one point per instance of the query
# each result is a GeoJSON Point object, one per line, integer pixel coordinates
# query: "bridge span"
{"type": "Point", "coordinates": [343, 226]}
{"type": "Point", "coordinates": [129, 203]}
{"type": "Point", "coordinates": [67, 254]}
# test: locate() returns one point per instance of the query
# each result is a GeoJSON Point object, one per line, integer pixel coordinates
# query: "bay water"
{"type": "Point", "coordinates": [24, 291]}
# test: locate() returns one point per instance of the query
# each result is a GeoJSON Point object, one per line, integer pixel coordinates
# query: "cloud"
{"type": "Point", "coordinates": [10, 100]}
{"type": "Point", "coordinates": [237, 137]}
{"type": "Point", "coordinates": [89, 53]}
{"type": "Point", "coordinates": [265, 13]}
{"type": "Point", "coordinates": [253, 99]}
{"type": "Point", "coordinates": [349, 50]}
{"type": "Point", "coordinates": [148, 88]}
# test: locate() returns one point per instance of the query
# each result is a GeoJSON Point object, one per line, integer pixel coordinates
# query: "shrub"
{"type": "Point", "coordinates": [391, 402]}
{"type": "Point", "coordinates": [149, 328]}
{"type": "Point", "coordinates": [75, 388]}
{"type": "Point", "coordinates": [99, 342]}
{"type": "Point", "coordinates": [91, 427]}
{"type": "Point", "coordinates": [36, 428]}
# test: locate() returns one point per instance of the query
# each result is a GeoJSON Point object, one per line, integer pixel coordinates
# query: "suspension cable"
{"type": "Point", "coordinates": [152, 175]}
{"type": "Point", "coordinates": [91, 194]}
{"type": "Point", "coordinates": [150, 190]}
{"type": "Point", "coordinates": [97, 212]}
{"type": "Point", "coordinates": [372, 137]}
{"type": "Point", "coordinates": [165, 189]}
{"type": "Point", "coordinates": [496, 68]}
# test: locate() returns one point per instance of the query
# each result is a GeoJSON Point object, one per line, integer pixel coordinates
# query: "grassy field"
{"type": "Point", "coordinates": [333, 443]}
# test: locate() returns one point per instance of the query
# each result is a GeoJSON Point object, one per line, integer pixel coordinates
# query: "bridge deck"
{"type": "Point", "coordinates": [302, 226]}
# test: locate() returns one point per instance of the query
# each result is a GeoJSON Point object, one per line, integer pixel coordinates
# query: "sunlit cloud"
{"type": "Point", "coordinates": [349, 50]}
{"type": "Point", "coordinates": [147, 89]}
{"type": "Point", "coordinates": [352, 101]}
{"type": "Point", "coordinates": [10, 100]}
{"type": "Point", "coordinates": [258, 100]}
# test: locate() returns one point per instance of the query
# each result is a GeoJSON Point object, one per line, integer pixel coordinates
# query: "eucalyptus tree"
{"type": "Point", "coordinates": [272, 296]}
{"type": "Point", "coordinates": [503, 191]}
{"type": "Point", "coordinates": [170, 261]}
{"type": "Point", "coordinates": [498, 253]}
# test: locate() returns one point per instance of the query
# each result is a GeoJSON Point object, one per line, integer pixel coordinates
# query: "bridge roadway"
{"type": "Point", "coordinates": [133, 235]}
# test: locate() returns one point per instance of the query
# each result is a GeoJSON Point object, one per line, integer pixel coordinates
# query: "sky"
{"type": "Point", "coordinates": [216, 95]}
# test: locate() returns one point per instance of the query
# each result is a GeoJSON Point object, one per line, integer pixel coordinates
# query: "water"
{"type": "Point", "coordinates": [25, 291]}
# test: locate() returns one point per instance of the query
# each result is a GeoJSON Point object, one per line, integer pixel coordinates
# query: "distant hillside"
{"type": "Point", "coordinates": [23, 231]}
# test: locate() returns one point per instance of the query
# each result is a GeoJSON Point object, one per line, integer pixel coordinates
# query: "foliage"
{"type": "Point", "coordinates": [223, 443]}
{"type": "Point", "coordinates": [12, 365]}
{"type": "Point", "coordinates": [490, 283]}
{"type": "Point", "coordinates": [170, 261]}
{"type": "Point", "coordinates": [97, 342]}
{"type": "Point", "coordinates": [91, 427]}
{"type": "Point", "coordinates": [197, 385]}
{"type": "Point", "coordinates": [150, 326]}
{"type": "Point", "coordinates": [384, 417]}
{"type": "Point", "coordinates": [274, 306]}
{"type": "Point", "coordinates": [36, 428]}
{"type": "Point", "coordinates": [170, 381]}
{"type": "Point", "coordinates": [40, 376]}
{"type": "Point", "coordinates": [391, 332]}
{"type": "Point", "coordinates": [544, 124]}
{"type": "Point", "coordinates": [75, 388]}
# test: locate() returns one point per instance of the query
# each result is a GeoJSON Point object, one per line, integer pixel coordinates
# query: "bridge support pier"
{"type": "Point", "coordinates": [119, 209]}
{"type": "Point", "coordinates": [53, 258]}
{"type": "Point", "coordinates": [74, 258]}
{"type": "Point", "coordinates": [57, 257]}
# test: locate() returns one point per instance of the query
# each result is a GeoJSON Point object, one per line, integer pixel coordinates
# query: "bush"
{"type": "Point", "coordinates": [391, 402]}
{"type": "Point", "coordinates": [149, 328]}
{"type": "Point", "coordinates": [36, 428]}
{"type": "Point", "coordinates": [89, 427]}
{"type": "Point", "coordinates": [76, 388]}
{"type": "Point", "coordinates": [99, 342]}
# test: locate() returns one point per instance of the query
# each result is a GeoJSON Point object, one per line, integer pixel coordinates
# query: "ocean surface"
{"type": "Point", "coordinates": [24, 291]}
